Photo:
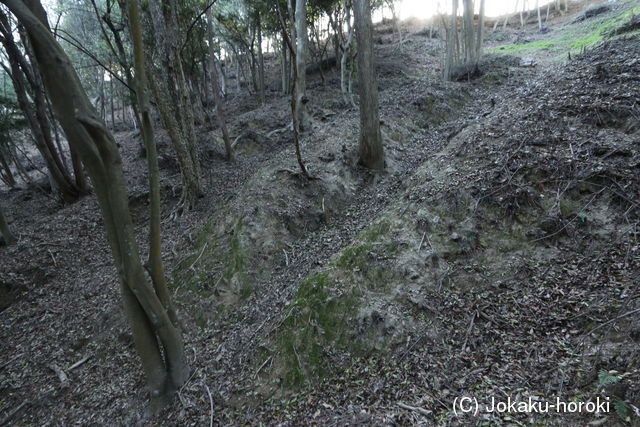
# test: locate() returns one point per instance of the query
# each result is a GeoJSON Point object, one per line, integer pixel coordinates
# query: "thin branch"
{"type": "Point", "coordinates": [78, 45]}
{"type": "Point", "coordinates": [194, 22]}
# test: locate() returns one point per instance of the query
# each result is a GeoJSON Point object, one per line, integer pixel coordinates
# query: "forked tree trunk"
{"type": "Point", "coordinates": [217, 98]}
{"type": "Point", "coordinates": [371, 151]}
{"type": "Point", "coordinates": [5, 233]}
{"type": "Point", "coordinates": [142, 90]}
{"type": "Point", "coordinates": [153, 330]}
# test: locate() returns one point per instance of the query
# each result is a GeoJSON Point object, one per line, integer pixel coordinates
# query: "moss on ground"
{"type": "Point", "coordinates": [214, 252]}
{"type": "Point", "coordinates": [316, 322]}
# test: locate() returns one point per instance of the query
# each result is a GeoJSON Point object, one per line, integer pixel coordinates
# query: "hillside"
{"type": "Point", "coordinates": [497, 255]}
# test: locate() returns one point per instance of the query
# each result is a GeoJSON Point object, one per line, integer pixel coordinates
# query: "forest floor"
{"type": "Point", "coordinates": [497, 255]}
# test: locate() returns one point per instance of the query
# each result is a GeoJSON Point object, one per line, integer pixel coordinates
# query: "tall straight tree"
{"type": "Point", "coordinates": [371, 151]}
{"type": "Point", "coordinates": [157, 339]}
{"type": "Point", "coordinates": [301, 64]}
{"type": "Point", "coordinates": [173, 99]}
{"type": "Point", "coordinates": [215, 79]}
{"type": "Point", "coordinates": [142, 90]}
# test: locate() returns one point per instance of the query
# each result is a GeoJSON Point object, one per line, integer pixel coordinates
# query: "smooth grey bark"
{"type": "Point", "coordinates": [371, 150]}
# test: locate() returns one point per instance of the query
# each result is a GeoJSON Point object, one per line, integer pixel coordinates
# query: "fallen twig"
{"type": "Point", "coordinates": [262, 366]}
{"type": "Point", "coordinates": [415, 409]}
{"type": "Point", "coordinates": [13, 413]}
{"type": "Point", "coordinates": [466, 338]}
{"type": "Point", "coordinates": [78, 363]}
{"type": "Point", "coordinates": [210, 406]}
{"type": "Point", "coordinates": [613, 320]}
{"type": "Point", "coordinates": [199, 256]}
{"type": "Point", "coordinates": [64, 380]}
{"type": "Point", "coordinates": [422, 241]}
{"type": "Point", "coordinates": [8, 362]}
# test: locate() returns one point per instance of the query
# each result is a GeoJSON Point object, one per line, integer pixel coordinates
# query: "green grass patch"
{"type": "Point", "coordinates": [572, 37]}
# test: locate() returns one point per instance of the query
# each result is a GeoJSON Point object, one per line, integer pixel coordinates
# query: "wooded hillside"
{"type": "Point", "coordinates": [231, 212]}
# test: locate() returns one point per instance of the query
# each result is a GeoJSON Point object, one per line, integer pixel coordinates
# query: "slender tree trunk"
{"type": "Point", "coordinates": [301, 64]}
{"type": "Point", "coordinates": [480, 34]}
{"type": "Point", "coordinates": [294, 99]}
{"type": "Point", "coordinates": [113, 113]}
{"type": "Point", "coordinates": [260, 60]}
{"type": "Point", "coordinates": [9, 239]}
{"type": "Point", "coordinates": [470, 47]}
{"type": "Point", "coordinates": [217, 99]}
{"type": "Point", "coordinates": [25, 74]}
{"type": "Point", "coordinates": [152, 326]}
{"type": "Point", "coordinates": [452, 34]}
{"type": "Point", "coordinates": [173, 100]}
{"type": "Point", "coordinates": [155, 252]}
{"type": "Point", "coordinates": [346, 51]}
{"type": "Point", "coordinates": [539, 17]}
{"type": "Point", "coordinates": [284, 69]}
{"type": "Point", "coordinates": [5, 169]}
{"type": "Point", "coordinates": [371, 151]}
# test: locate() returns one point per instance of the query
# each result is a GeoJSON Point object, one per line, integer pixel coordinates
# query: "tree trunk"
{"type": "Point", "coordinates": [480, 34]}
{"type": "Point", "coordinates": [284, 69]}
{"type": "Point", "coordinates": [346, 50]}
{"type": "Point", "coordinates": [294, 99]}
{"type": "Point", "coordinates": [5, 233]}
{"type": "Point", "coordinates": [5, 169]}
{"type": "Point", "coordinates": [371, 151]}
{"type": "Point", "coordinates": [469, 46]}
{"type": "Point", "coordinates": [261, 87]}
{"type": "Point", "coordinates": [301, 64]}
{"type": "Point", "coordinates": [173, 100]}
{"type": "Point", "coordinates": [155, 253]}
{"type": "Point", "coordinates": [452, 35]}
{"type": "Point", "coordinates": [152, 326]}
{"type": "Point", "coordinates": [217, 99]}
{"type": "Point", "coordinates": [22, 74]}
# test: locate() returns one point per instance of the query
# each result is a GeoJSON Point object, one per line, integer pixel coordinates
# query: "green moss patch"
{"type": "Point", "coordinates": [317, 322]}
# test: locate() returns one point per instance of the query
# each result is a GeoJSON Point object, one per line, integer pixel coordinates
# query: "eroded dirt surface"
{"type": "Point", "coordinates": [503, 142]}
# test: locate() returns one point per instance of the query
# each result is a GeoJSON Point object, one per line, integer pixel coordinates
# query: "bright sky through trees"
{"type": "Point", "coordinates": [426, 8]}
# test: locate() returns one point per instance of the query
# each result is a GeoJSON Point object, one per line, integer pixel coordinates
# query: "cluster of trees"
{"type": "Point", "coordinates": [76, 68]}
